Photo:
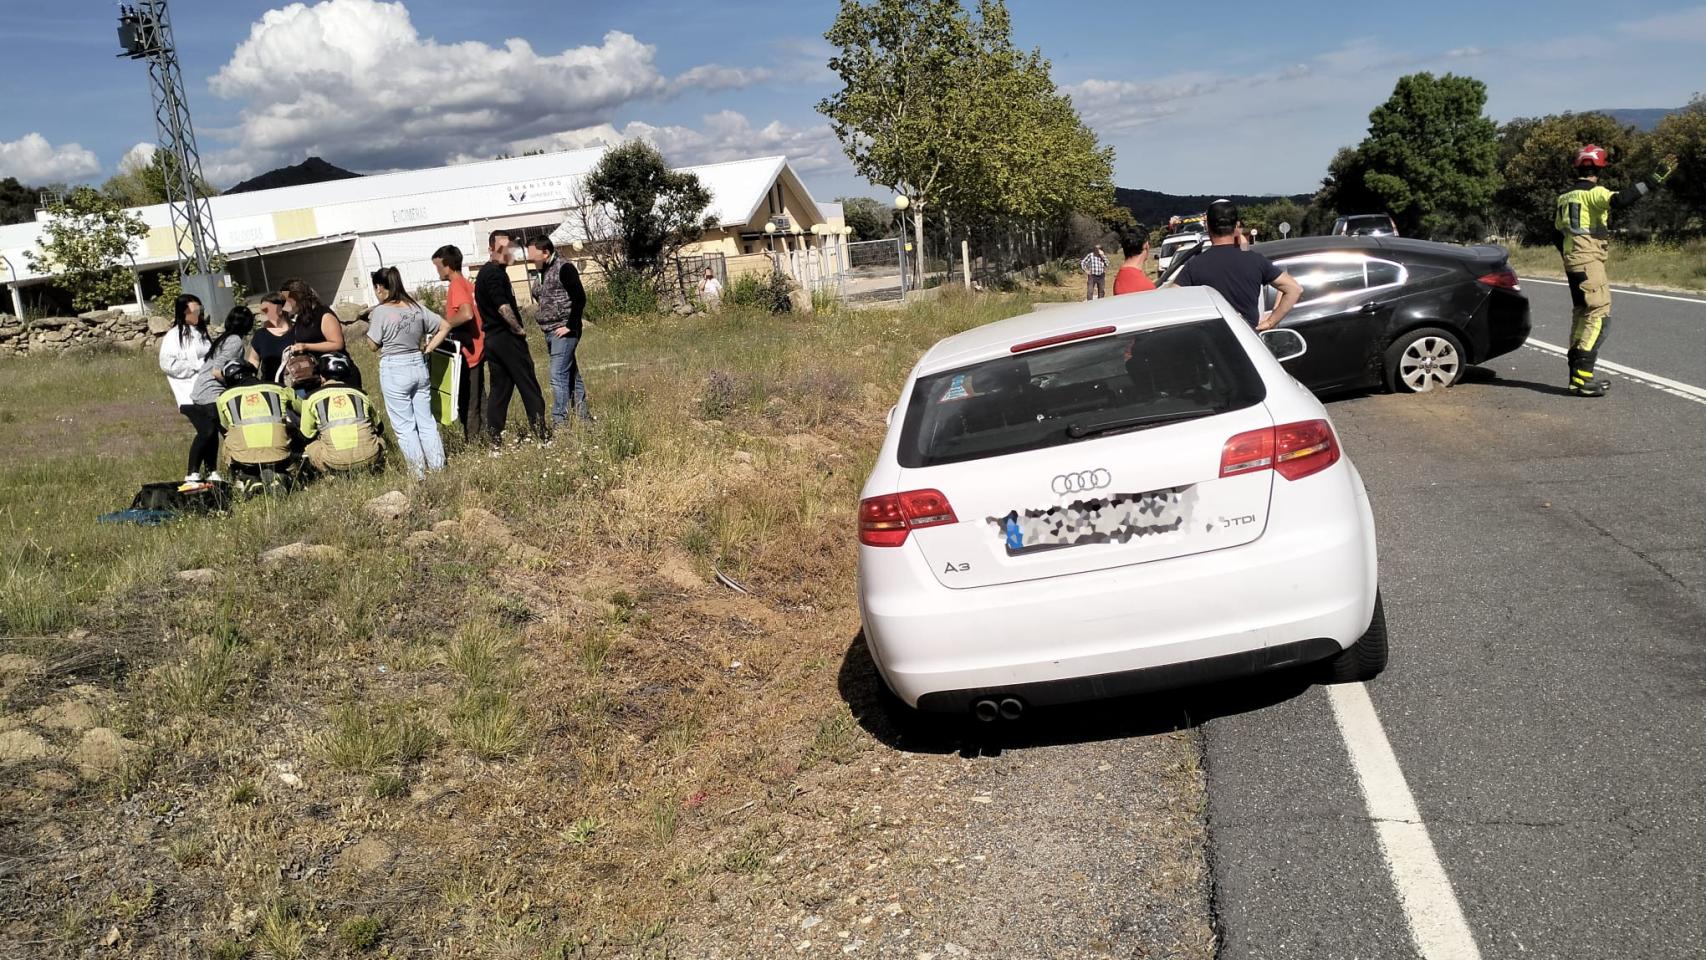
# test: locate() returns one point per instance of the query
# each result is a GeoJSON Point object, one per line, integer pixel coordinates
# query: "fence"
{"type": "Point", "coordinates": [874, 270]}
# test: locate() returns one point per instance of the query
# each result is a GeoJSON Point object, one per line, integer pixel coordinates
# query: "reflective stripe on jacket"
{"type": "Point", "coordinates": [257, 420]}
{"type": "Point", "coordinates": [343, 417]}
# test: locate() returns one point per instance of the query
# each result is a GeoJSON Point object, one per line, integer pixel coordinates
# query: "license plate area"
{"type": "Point", "coordinates": [1116, 518]}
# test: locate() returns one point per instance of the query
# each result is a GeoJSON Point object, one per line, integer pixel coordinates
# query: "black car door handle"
{"type": "Point", "coordinates": [1373, 306]}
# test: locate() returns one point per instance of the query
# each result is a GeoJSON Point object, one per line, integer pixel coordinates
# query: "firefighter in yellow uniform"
{"type": "Point", "coordinates": [258, 419]}
{"type": "Point", "coordinates": [341, 424]}
{"type": "Point", "coordinates": [1582, 231]}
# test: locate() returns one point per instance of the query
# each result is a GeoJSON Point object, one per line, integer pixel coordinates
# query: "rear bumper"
{"type": "Point", "coordinates": [1508, 323]}
{"type": "Point", "coordinates": [1308, 583]}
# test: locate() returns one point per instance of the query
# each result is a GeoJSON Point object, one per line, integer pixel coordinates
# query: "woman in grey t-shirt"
{"type": "Point", "coordinates": [209, 383]}
{"type": "Point", "coordinates": [404, 333]}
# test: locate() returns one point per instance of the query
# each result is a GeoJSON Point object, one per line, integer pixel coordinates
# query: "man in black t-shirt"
{"type": "Point", "coordinates": [1239, 273]}
{"type": "Point", "coordinates": [508, 361]}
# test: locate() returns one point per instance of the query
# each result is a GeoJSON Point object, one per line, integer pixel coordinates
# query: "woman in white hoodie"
{"type": "Point", "coordinates": [182, 352]}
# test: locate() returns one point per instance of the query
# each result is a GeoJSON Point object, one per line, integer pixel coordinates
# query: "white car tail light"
{"type": "Point", "coordinates": [886, 520]}
{"type": "Point", "coordinates": [1294, 450]}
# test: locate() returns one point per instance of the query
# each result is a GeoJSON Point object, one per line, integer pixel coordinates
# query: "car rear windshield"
{"type": "Point", "coordinates": [1127, 381]}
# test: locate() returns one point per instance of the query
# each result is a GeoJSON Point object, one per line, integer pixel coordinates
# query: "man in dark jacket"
{"type": "Point", "coordinates": [509, 363]}
{"type": "Point", "coordinates": [561, 300]}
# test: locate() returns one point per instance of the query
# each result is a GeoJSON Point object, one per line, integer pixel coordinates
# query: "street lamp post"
{"type": "Point", "coordinates": [770, 235]}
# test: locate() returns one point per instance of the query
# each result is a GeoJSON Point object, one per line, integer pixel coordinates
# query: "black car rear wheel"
{"type": "Point", "coordinates": [1423, 360]}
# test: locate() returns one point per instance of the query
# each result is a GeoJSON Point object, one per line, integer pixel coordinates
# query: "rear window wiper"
{"type": "Point", "coordinates": [1082, 429]}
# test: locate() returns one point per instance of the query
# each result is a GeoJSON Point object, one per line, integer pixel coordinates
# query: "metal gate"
{"type": "Point", "coordinates": [876, 270]}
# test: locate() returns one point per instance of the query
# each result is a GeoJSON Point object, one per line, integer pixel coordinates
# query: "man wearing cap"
{"type": "Point", "coordinates": [1582, 230]}
{"type": "Point", "coordinates": [1239, 273]}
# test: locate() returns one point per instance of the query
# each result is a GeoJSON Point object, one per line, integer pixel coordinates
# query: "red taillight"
{"type": "Point", "coordinates": [886, 520]}
{"type": "Point", "coordinates": [1295, 450]}
{"type": "Point", "coordinates": [1062, 338]}
{"type": "Point", "coordinates": [1301, 449]}
{"type": "Point", "coordinates": [1503, 279]}
{"type": "Point", "coordinates": [1247, 452]}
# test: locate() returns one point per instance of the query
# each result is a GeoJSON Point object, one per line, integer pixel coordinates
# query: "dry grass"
{"type": "Point", "coordinates": [559, 740]}
{"type": "Point", "coordinates": [1678, 266]}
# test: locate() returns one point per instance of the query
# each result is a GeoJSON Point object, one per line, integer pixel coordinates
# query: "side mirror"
{"type": "Point", "coordinates": [1284, 344]}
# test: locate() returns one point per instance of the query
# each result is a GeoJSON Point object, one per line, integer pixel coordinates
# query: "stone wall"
{"type": "Point", "coordinates": [50, 336]}
{"type": "Point", "coordinates": [54, 335]}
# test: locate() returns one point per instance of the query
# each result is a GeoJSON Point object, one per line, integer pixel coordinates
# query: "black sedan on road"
{"type": "Point", "coordinates": [1407, 315]}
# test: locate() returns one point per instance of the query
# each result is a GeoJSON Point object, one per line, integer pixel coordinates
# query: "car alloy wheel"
{"type": "Point", "coordinates": [1430, 360]}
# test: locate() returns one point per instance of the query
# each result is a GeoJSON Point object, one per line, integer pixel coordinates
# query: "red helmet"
{"type": "Point", "coordinates": [1591, 156]}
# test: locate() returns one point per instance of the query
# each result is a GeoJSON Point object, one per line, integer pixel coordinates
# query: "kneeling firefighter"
{"type": "Point", "coordinates": [259, 420]}
{"type": "Point", "coordinates": [341, 424]}
{"type": "Point", "coordinates": [1582, 233]}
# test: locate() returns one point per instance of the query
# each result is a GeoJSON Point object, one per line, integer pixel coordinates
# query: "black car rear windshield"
{"type": "Point", "coordinates": [1127, 381]}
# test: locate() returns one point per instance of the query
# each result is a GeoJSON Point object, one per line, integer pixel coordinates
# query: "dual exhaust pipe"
{"type": "Point", "coordinates": [989, 709]}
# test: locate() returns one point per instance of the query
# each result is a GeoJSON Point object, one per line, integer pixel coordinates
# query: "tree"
{"type": "Point", "coordinates": [1430, 159]}
{"type": "Point", "coordinates": [938, 104]}
{"type": "Point", "coordinates": [1266, 218]}
{"type": "Point", "coordinates": [642, 210]}
{"type": "Point", "coordinates": [86, 240]}
{"type": "Point", "coordinates": [870, 219]}
{"type": "Point", "coordinates": [17, 202]}
{"type": "Point", "coordinates": [1538, 156]}
{"type": "Point", "coordinates": [143, 183]}
{"type": "Point", "coordinates": [1683, 134]}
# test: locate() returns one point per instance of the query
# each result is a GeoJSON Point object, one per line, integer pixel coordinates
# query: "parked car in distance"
{"type": "Point", "coordinates": [1065, 501]}
{"type": "Point", "coordinates": [1170, 247]}
{"type": "Point", "coordinates": [1404, 315]}
{"type": "Point", "coordinates": [1365, 225]}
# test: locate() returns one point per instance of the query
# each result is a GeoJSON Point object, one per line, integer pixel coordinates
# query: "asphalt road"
{"type": "Point", "coordinates": [1543, 561]}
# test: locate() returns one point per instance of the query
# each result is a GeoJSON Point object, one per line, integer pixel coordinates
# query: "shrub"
{"type": "Point", "coordinates": [772, 292]}
{"type": "Point", "coordinates": [626, 293]}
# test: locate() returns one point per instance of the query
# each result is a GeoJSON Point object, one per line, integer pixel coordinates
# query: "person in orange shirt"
{"type": "Point", "coordinates": [1132, 277]}
{"type": "Point", "coordinates": [470, 336]}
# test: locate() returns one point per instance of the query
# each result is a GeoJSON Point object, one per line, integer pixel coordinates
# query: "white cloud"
{"type": "Point", "coordinates": [34, 161]}
{"type": "Point", "coordinates": [714, 77]}
{"type": "Point", "coordinates": [137, 157]}
{"type": "Point", "coordinates": [1682, 26]}
{"type": "Point", "coordinates": [355, 82]}
{"type": "Point", "coordinates": [723, 136]}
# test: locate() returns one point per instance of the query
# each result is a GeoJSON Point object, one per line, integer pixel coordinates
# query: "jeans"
{"type": "Point", "coordinates": [204, 449]}
{"type": "Point", "coordinates": [509, 370]}
{"type": "Point", "coordinates": [408, 399]}
{"type": "Point", "coordinates": [566, 379]}
{"type": "Point", "coordinates": [1093, 289]}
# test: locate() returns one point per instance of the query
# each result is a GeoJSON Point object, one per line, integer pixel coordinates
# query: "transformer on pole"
{"type": "Point", "coordinates": [145, 33]}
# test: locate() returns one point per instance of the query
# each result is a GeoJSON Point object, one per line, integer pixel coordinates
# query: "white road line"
{"type": "Point", "coordinates": [1631, 293]}
{"type": "Point", "coordinates": [1675, 388]}
{"type": "Point", "coordinates": [1430, 905]}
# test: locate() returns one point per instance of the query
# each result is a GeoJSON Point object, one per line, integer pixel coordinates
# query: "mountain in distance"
{"type": "Point", "coordinates": [1643, 119]}
{"type": "Point", "coordinates": [311, 170]}
{"type": "Point", "coordinates": [1152, 208]}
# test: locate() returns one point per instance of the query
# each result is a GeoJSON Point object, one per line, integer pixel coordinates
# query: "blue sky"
{"type": "Point", "coordinates": [1195, 98]}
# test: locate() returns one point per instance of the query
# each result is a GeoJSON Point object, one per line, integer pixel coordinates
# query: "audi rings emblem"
{"type": "Point", "coordinates": [1081, 482]}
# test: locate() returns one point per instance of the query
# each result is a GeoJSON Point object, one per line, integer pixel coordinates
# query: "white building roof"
{"type": "Point", "coordinates": [414, 199]}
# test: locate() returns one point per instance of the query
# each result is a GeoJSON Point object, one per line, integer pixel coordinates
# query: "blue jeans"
{"type": "Point", "coordinates": [566, 379]}
{"type": "Point", "coordinates": [408, 400]}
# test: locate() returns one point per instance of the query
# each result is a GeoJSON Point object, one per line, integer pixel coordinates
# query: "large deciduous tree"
{"type": "Point", "coordinates": [937, 103]}
{"type": "Point", "coordinates": [1538, 153]}
{"type": "Point", "coordinates": [86, 241]}
{"type": "Point", "coordinates": [1430, 159]}
{"type": "Point", "coordinates": [869, 219]}
{"type": "Point", "coordinates": [1683, 134]}
{"type": "Point", "coordinates": [140, 183]}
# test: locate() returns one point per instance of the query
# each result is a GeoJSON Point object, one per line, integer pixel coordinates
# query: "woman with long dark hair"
{"type": "Point", "coordinates": [315, 326]}
{"type": "Point", "coordinates": [204, 394]}
{"type": "Point", "coordinates": [400, 329]}
{"type": "Point", "coordinates": [183, 350]}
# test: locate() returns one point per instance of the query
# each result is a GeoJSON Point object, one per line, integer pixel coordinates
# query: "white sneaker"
{"type": "Point", "coordinates": [214, 477]}
{"type": "Point", "coordinates": [192, 478]}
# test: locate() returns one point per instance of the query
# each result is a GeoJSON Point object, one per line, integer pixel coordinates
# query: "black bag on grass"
{"type": "Point", "coordinates": [208, 498]}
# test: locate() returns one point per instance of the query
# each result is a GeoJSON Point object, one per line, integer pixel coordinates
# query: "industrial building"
{"type": "Point", "coordinates": [334, 233]}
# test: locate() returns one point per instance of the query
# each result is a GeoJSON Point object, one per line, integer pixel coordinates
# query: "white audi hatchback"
{"type": "Point", "coordinates": [1107, 498]}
